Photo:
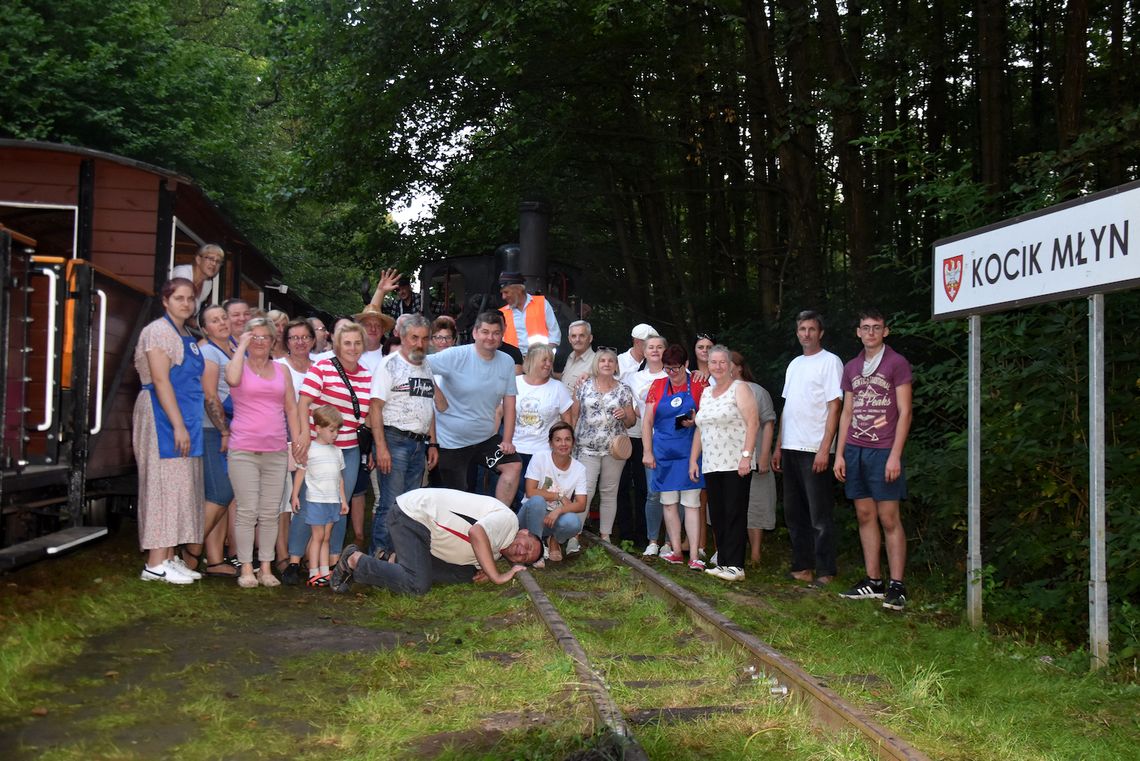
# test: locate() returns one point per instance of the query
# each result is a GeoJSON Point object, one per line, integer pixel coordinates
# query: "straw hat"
{"type": "Point", "coordinates": [372, 313]}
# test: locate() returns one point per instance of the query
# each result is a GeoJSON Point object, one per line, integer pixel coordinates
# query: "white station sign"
{"type": "Point", "coordinates": [1076, 248]}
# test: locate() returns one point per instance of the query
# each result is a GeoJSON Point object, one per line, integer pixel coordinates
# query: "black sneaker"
{"type": "Point", "coordinates": [895, 598]}
{"type": "Point", "coordinates": [341, 577]}
{"type": "Point", "coordinates": [866, 589]}
{"type": "Point", "coordinates": [291, 576]}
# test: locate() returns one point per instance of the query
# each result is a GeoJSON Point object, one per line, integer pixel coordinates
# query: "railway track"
{"type": "Point", "coordinates": [669, 657]}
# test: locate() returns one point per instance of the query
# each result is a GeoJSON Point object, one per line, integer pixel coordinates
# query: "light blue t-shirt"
{"type": "Point", "coordinates": [474, 387]}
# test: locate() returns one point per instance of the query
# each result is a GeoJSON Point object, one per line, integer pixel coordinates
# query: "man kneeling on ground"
{"type": "Point", "coordinates": [441, 536]}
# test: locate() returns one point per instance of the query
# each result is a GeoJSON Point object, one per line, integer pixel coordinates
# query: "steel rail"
{"type": "Point", "coordinates": [607, 714]}
{"type": "Point", "coordinates": [827, 708]}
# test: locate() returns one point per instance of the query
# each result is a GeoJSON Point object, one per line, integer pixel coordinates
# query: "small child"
{"type": "Point", "coordinates": [324, 491]}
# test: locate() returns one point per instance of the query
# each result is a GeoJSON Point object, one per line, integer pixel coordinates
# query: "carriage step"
{"type": "Point", "coordinates": [48, 545]}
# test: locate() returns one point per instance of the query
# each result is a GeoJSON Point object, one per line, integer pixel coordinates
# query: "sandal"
{"type": "Point", "coordinates": [221, 564]}
{"type": "Point", "coordinates": [318, 581]}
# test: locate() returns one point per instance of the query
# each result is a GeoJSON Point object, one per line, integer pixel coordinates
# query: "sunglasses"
{"type": "Point", "coordinates": [705, 337]}
{"type": "Point", "coordinates": [608, 348]}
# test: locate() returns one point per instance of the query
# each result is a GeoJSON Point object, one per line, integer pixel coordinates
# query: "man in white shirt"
{"type": "Point", "coordinates": [376, 324]}
{"type": "Point", "coordinates": [441, 536]}
{"type": "Point", "coordinates": [581, 358]}
{"type": "Point", "coordinates": [402, 417]}
{"type": "Point", "coordinates": [630, 361]}
{"type": "Point", "coordinates": [207, 263]}
{"type": "Point", "coordinates": [803, 450]}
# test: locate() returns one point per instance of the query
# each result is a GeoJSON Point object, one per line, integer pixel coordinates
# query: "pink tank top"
{"type": "Point", "coordinates": [259, 412]}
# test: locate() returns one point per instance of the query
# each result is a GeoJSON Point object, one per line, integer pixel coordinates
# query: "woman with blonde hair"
{"type": "Point", "coordinates": [727, 424]}
{"type": "Point", "coordinates": [540, 403]}
{"type": "Point", "coordinates": [603, 410]}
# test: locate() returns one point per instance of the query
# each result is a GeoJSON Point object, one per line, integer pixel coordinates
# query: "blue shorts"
{"type": "Point", "coordinates": [215, 470]}
{"type": "Point", "coordinates": [321, 513]}
{"type": "Point", "coordinates": [866, 475]}
{"type": "Point", "coordinates": [363, 480]}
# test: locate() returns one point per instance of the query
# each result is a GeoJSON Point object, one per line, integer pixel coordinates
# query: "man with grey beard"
{"type": "Point", "coordinates": [402, 416]}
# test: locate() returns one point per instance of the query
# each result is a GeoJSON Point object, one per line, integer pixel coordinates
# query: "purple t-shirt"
{"type": "Point", "coordinates": [875, 413]}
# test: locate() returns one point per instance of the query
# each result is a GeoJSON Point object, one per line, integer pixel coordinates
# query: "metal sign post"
{"type": "Point", "coordinates": [974, 508]}
{"type": "Point", "coordinates": [1098, 582]}
{"type": "Point", "coordinates": [1078, 248]}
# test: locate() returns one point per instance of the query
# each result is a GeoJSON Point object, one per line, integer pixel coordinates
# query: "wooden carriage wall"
{"type": "Point", "coordinates": [87, 238]}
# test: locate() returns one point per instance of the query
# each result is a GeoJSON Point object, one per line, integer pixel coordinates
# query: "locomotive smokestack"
{"type": "Point", "coordinates": [534, 229]}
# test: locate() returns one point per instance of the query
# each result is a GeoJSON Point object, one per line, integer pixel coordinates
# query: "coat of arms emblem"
{"type": "Point", "coordinates": [952, 275]}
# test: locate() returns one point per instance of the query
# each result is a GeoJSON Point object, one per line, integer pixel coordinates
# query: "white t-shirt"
{"type": "Point", "coordinates": [568, 483]}
{"type": "Point", "coordinates": [448, 515]}
{"type": "Point", "coordinates": [536, 409]}
{"type": "Point", "coordinates": [809, 384]}
{"type": "Point", "coordinates": [371, 359]}
{"type": "Point", "coordinates": [323, 473]}
{"type": "Point", "coordinates": [639, 382]}
{"type": "Point", "coordinates": [298, 378]}
{"type": "Point", "coordinates": [187, 271]}
{"type": "Point", "coordinates": [408, 393]}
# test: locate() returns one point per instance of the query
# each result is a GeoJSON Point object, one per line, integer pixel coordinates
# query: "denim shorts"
{"type": "Point", "coordinates": [215, 469]}
{"type": "Point", "coordinates": [321, 513]}
{"type": "Point", "coordinates": [867, 475]}
{"type": "Point", "coordinates": [363, 480]}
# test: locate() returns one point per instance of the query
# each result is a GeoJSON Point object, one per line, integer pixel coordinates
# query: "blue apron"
{"type": "Point", "coordinates": [186, 379]}
{"type": "Point", "coordinates": [672, 445]}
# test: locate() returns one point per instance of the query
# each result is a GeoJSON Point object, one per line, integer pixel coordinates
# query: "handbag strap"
{"type": "Point", "coordinates": [348, 385]}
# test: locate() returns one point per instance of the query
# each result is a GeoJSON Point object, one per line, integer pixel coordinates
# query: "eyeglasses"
{"type": "Point", "coordinates": [443, 337]}
{"type": "Point", "coordinates": [678, 368]}
{"type": "Point", "coordinates": [261, 339]}
{"type": "Point", "coordinates": [705, 337]}
{"type": "Point", "coordinates": [298, 339]}
{"type": "Point", "coordinates": [607, 348]}
{"type": "Point", "coordinates": [872, 328]}
{"type": "Point", "coordinates": [493, 460]}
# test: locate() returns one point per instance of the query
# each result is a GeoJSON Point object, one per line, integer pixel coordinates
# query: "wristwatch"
{"type": "Point", "coordinates": [745, 453]}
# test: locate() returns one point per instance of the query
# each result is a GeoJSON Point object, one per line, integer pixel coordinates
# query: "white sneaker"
{"type": "Point", "coordinates": [713, 561]}
{"type": "Point", "coordinates": [651, 550]}
{"type": "Point", "coordinates": [164, 573]}
{"type": "Point", "coordinates": [184, 569]}
{"type": "Point", "coordinates": [731, 573]}
{"type": "Point", "coordinates": [665, 550]}
{"type": "Point", "coordinates": [572, 546]}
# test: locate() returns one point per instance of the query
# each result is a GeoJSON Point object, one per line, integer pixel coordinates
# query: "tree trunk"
{"type": "Point", "coordinates": [796, 141]}
{"type": "Point", "coordinates": [845, 62]}
{"type": "Point", "coordinates": [992, 93]}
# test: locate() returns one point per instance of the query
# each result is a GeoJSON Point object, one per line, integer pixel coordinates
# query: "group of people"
{"type": "Point", "coordinates": [262, 414]}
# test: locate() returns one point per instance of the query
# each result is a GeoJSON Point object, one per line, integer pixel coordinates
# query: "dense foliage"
{"type": "Point", "coordinates": [712, 164]}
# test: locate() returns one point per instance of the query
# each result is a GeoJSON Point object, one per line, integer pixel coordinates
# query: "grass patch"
{"type": "Point", "coordinates": [954, 692]}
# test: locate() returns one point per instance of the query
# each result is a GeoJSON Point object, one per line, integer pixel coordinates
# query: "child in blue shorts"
{"type": "Point", "coordinates": [324, 491]}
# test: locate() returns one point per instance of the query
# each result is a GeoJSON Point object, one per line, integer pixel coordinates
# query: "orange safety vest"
{"type": "Point", "coordinates": [535, 322]}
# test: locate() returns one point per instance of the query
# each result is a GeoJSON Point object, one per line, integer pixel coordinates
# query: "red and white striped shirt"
{"type": "Point", "coordinates": [324, 386]}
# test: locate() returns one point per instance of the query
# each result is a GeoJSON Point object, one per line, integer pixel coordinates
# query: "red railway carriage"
{"type": "Point", "coordinates": [86, 240]}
